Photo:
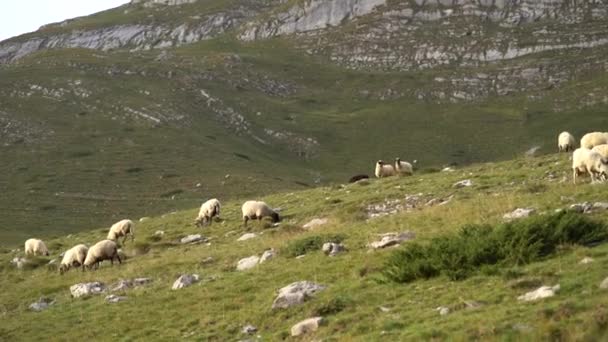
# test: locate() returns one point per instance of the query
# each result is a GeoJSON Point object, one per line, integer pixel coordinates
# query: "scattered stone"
{"type": "Point", "coordinates": [540, 293]}
{"type": "Point", "coordinates": [267, 255]}
{"type": "Point", "coordinates": [247, 263]}
{"type": "Point", "coordinates": [532, 151]}
{"type": "Point", "coordinates": [463, 184]}
{"type": "Point", "coordinates": [159, 233]}
{"type": "Point", "coordinates": [472, 304]}
{"type": "Point", "coordinates": [306, 326]}
{"type": "Point", "coordinates": [19, 262]}
{"type": "Point", "coordinates": [125, 284]}
{"type": "Point", "coordinates": [582, 208]}
{"type": "Point", "coordinates": [332, 249]}
{"type": "Point", "coordinates": [384, 309]}
{"type": "Point", "coordinates": [447, 169]}
{"type": "Point", "coordinates": [586, 260]}
{"type": "Point", "coordinates": [115, 299]}
{"type": "Point", "coordinates": [193, 239]}
{"type": "Point", "coordinates": [42, 304]}
{"type": "Point", "coordinates": [296, 293]}
{"type": "Point", "coordinates": [600, 205]}
{"type": "Point", "coordinates": [142, 219]}
{"type": "Point", "coordinates": [247, 236]}
{"type": "Point", "coordinates": [604, 284]}
{"type": "Point", "coordinates": [87, 289]}
{"type": "Point", "coordinates": [52, 262]}
{"type": "Point", "coordinates": [249, 329]}
{"type": "Point", "coordinates": [443, 310]}
{"type": "Point", "coordinates": [301, 256]}
{"type": "Point", "coordinates": [185, 280]}
{"type": "Point", "coordinates": [392, 239]}
{"type": "Point", "coordinates": [314, 223]}
{"type": "Point", "coordinates": [519, 213]}
{"type": "Point", "coordinates": [208, 260]}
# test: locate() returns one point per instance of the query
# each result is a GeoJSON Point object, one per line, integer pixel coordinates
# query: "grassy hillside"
{"type": "Point", "coordinates": [225, 300]}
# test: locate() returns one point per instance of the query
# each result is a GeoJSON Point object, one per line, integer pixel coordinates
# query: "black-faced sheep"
{"type": "Point", "coordinates": [103, 250]}
{"type": "Point", "coordinates": [585, 160]}
{"type": "Point", "coordinates": [566, 142]}
{"type": "Point", "coordinates": [384, 170]}
{"type": "Point", "coordinates": [403, 168]}
{"type": "Point", "coordinates": [73, 257]}
{"type": "Point", "coordinates": [593, 139]}
{"type": "Point", "coordinates": [35, 247]}
{"type": "Point", "coordinates": [258, 210]}
{"type": "Point", "coordinates": [208, 211]}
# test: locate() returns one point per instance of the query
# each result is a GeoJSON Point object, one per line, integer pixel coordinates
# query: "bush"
{"type": "Point", "coordinates": [479, 247]}
{"type": "Point", "coordinates": [311, 243]}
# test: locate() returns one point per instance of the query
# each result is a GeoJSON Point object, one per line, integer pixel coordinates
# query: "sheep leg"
{"type": "Point", "coordinates": [574, 175]}
{"type": "Point", "coordinates": [245, 219]}
{"type": "Point", "coordinates": [118, 257]}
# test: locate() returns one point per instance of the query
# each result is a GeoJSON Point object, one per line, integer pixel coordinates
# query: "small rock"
{"type": "Point", "coordinates": [301, 256]}
{"type": "Point", "coordinates": [247, 263]}
{"type": "Point", "coordinates": [519, 213]}
{"type": "Point", "coordinates": [193, 239]}
{"type": "Point", "coordinates": [159, 233]}
{"type": "Point", "coordinates": [87, 289]}
{"type": "Point", "coordinates": [384, 309]}
{"type": "Point", "coordinates": [296, 293]}
{"type": "Point", "coordinates": [267, 255]}
{"type": "Point", "coordinates": [306, 326]}
{"type": "Point", "coordinates": [142, 219]}
{"type": "Point", "coordinates": [315, 223]}
{"type": "Point", "coordinates": [600, 205]}
{"type": "Point", "coordinates": [19, 262]}
{"type": "Point", "coordinates": [207, 260]}
{"type": "Point", "coordinates": [540, 293]}
{"type": "Point", "coordinates": [586, 260]}
{"type": "Point", "coordinates": [185, 280]}
{"type": "Point", "coordinates": [447, 169]}
{"type": "Point", "coordinates": [115, 299]}
{"type": "Point", "coordinates": [443, 310]}
{"type": "Point", "coordinates": [42, 304]}
{"type": "Point", "coordinates": [122, 285]}
{"type": "Point", "coordinates": [52, 262]}
{"type": "Point", "coordinates": [584, 207]}
{"type": "Point", "coordinates": [332, 249]}
{"type": "Point", "coordinates": [463, 184]}
{"type": "Point", "coordinates": [247, 236]}
{"type": "Point", "coordinates": [604, 284]}
{"type": "Point", "coordinates": [392, 239]}
{"type": "Point", "coordinates": [249, 329]}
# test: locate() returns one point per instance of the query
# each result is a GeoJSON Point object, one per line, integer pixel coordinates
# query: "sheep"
{"type": "Point", "coordinates": [257, 209]}
{"type": "Point", "coordinates": [73, 257]}
{"type": "Point", "coordinates": [590, 140]}
{"type": "Point", "coordinates": [384, 170]}
{"type": "Point", "coordinates": [103, 250]}
{"type": "Point", "coordinates": [122, 228]}
{"type": "Point", "coordinates": [585, 160]}
{"type": "Point", "coordinates": [601, 149]}
{"type": "Point", "coordinates": [403, 168]}
{"type": "Point", "coordinates": [208, 211]}
{"type": "Point", "coordinates": [565, 142]}
{"type": "Point", "coordinates": [35, 247]}
{"type": "Point", "coordinates": [357, 178]}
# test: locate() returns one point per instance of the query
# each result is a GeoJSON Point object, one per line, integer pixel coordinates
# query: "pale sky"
{"type": "Point", "coordinates": [22, 16]}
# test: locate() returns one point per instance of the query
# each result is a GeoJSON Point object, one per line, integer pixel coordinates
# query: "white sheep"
{"type": "Point", "coordinates": [585, 160]}
{"type": "Point", "coordinates": [384, 170]}
{"type": "Point", "coordinates": [593, 139]}
{"type": "Point", "coordinates": [208, 211]}
{"type": "Point", "coordinates": [103, 250]}
{"type": "Point", "coordinates": [122, 228]}
{"type": "Point", "coordinates": [403, 168]}
{"type": "Point", "coordinates": [566, 142]}
{"type": "Point", "coordinates": [35, 247]}
{"type": "Point", "coordinates": [601, 149]}
{"type": "Point", "coordinates": [258, 210]}
{"type": "Point", "coordinates": [73, 257]}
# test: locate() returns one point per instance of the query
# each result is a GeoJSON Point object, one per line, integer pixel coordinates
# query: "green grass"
{"type": "Point", "coordinates": [225, 300]}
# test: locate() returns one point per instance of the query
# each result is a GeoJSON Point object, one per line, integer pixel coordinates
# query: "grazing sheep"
{"type": "Point", "coordinates": [122, 228]}
{"type": "Point", "coordinates": [103, 250]}
{"type": "Point", "coordinates": [585, 160]}
{"type": "Point", "coordinates": [35, 247]}
{"type": "Point", "coordinates": [73, 257]}
{"type": "Point", "coordinates": [403, 168]}
{"type": "Point", "coordinates": [593, 139]}
{"type": "Point", "coordinates": [257, 209]}
{"type": "Point", "coordinates": [384, 170]}
{"type": "Point", "coordinates": [357, 178]}
{"type": "Point", "coordinates": [208, 211]}
{"type": "Point", "coordinates": [566, 142]}
{"type": "Point", "coordinates": [601, 149]}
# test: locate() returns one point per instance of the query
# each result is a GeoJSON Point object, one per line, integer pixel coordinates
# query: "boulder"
{"type": "Point", "coordinates": [115, 299]}
{"type": "Point", "coordinates": [87, 289]}
{"type": "Point", "coordinates": [196, 238]}
{"type": "Point", "coordinates": [19, 262]}
{"type": "Point", "coordinates": [247, 236]}
{"type": "Point", "coordinates": [306, 326]}
{"type": "Point", "coordinates": [185, 280]}
{"type": "Point", "coordinates": [540, 293]}
{"type": "Point", "coordinates": [315, 223]}
{"type": "Point", "coordinates": [392, 239]}
{"type": "Point", "coordinates": [247, 263]}
{"type": "Point", "coordinates": [332, 249]}
{"type": "Point", "coordinates": [582, 208]}
{"type": "Point", "coordinates": [519, 213]}
{"type": "Point", "coordinates": [42, 304]}
{"type": "Point", "coordinates": [296, 293]}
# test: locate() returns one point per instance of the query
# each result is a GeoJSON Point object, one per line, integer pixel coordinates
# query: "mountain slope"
{"type": "Point", "coordinates": [124, 113]}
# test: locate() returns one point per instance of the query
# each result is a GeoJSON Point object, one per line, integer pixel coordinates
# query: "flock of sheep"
{"type": "Point", "coordinates": [81, 256]}
{"type": "Point", "coordinates": [591, 157]}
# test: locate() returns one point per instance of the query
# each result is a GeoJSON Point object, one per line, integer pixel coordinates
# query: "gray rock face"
{"type": "Point", "coordinates": [87, 289]}
{"type": "Point", "coordinates": [540, 293]}
{"type": "Point", "coordinates": [196, 238]}
{"type": "Point", "coordinates": [296, 293]}
{"type": "Point", "coordinates": [185, 280]}
{"type": "Point", "coordinates": [247, 263]}
{"type": "Point", "coordinates": [115, 299]}
{"type": "Point", "coordinates": [519, 213]}
{"type": "Point", "coordinates": [306, 326]}
{"type": "Point", "coordinates": [42, 304]}
{"type": "Point", "coordinates": [392, 239]}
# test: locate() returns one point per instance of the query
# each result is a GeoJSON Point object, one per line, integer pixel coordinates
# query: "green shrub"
{"type": "Point", "coordinates": [310, 243]}
{"type": "Point", "coordinates": [478, 247]}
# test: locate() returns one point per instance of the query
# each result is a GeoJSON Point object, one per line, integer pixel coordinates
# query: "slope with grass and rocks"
{"type": "Point", "coordinates": [401, 265]}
